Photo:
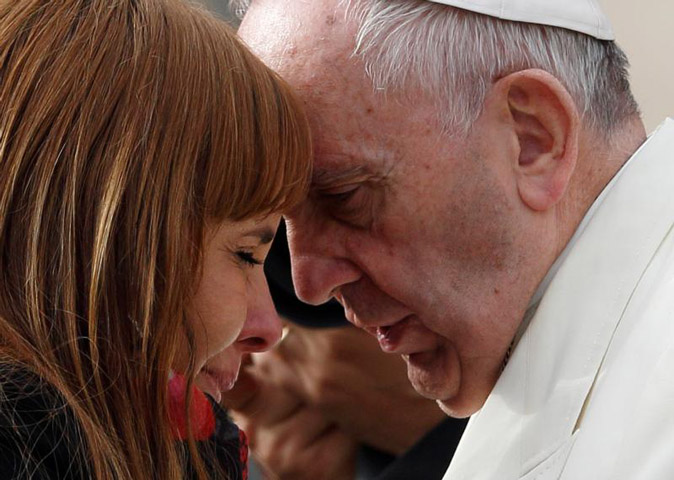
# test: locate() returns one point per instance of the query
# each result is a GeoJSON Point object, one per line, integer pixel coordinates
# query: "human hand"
{"type": "Point", "coordinates": [288, 439]}
{"type": "Point", "coordinates": [343, 374]}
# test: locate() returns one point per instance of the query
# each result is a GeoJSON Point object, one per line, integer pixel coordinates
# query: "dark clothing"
{"type": "Point", "coordinates": [428, 459]}
{"type": "Point", "coordinates": [39, 438]}
{"type": "Point", "coordinates": [38, 434]}
{"type": "Point", "coordinates": [228, 446]}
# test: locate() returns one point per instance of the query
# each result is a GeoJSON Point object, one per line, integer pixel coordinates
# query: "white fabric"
{"type": "Point", "coordinates": [589, 390]}
{"type": "Point", "coordinates": [583, 16]}
{"type": "Point", "coordinates": [538, 294]}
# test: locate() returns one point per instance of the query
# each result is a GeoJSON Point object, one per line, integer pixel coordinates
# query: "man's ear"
{"type": "Point", "coordinates": [545, 122]}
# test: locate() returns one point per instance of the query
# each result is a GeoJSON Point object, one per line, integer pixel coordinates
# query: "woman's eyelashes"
{"type": "Point", "coordinates": [247, 258]}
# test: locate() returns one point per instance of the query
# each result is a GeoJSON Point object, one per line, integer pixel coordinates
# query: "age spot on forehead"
{"type": "Point", "coordinates": [330, 20]}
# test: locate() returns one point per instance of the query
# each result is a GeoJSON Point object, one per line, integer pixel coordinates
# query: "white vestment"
{"type": "Point", "coordinates": [588, 392]}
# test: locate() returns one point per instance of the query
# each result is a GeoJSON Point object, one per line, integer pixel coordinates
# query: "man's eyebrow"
{"type": "Point", "coordinates": [265, 234]}
{"type": "Point", "coordinates": [326, 177]}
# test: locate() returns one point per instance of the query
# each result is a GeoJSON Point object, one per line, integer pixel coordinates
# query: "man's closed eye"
{"type": "Point", "coordinates": [348, 204]}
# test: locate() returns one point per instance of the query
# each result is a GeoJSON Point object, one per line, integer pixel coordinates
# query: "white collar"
{"type": "Point", "coordinates": [545, 283]}
{"type": "Point", "coordinates": [537, 401]}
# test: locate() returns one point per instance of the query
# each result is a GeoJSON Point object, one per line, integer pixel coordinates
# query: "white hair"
{"type": "Point", "coordinates": [455, 55]}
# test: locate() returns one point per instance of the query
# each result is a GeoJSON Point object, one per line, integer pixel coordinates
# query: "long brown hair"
{"type": "Point", "coordinates": [125, 127]}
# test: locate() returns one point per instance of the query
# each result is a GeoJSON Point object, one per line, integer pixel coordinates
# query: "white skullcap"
{"type": "Point", "coordinates": [583, 16]}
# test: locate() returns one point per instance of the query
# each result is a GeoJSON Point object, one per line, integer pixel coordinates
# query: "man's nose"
{"type": "Point", "coordinates": [262, 329]}
{"type": "Point", "coordinates": [319, 262]}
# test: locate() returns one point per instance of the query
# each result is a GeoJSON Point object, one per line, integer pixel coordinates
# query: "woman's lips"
{"type": "Point", "coordinates": [215, 382]}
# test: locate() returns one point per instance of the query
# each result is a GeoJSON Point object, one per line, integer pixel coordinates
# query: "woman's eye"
{"type": "Point", "coordinates": [247, 258]}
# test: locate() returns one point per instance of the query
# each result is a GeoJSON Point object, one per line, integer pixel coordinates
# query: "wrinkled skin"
{"type": "Point", "coordinates": [433, 243]}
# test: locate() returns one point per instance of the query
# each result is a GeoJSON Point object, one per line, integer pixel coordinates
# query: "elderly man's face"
{"type": "Point", "coordinates": [414, 233]}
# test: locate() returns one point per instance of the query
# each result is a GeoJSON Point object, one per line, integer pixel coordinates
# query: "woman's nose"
{"type": "Point", "coordinates": [263, 327]}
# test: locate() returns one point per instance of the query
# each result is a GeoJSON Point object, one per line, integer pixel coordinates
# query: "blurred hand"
{"type": "Point", "coordinates": [366, 392]}
{"type": "Point", "coordinates": [342, 377]}
{"type": "Point", "coordinates": [288, 438]}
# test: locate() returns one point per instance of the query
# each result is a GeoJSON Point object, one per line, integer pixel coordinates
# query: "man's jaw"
{"type": "Point", "coordinates": [433, 365]}
{"type": "Point", "coordinates": [436, 373]}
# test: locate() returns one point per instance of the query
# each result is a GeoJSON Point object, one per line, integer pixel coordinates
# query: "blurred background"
{"type": "Point", "coordinates": [644, 29]}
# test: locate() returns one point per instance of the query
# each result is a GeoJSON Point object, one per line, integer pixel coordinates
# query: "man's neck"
{"type": "Point", "coordinates": [599, 160]}
{"type": "Point", "coordinates": [602, 157]}
{"type": "Point", "coordinates": [595, 171]}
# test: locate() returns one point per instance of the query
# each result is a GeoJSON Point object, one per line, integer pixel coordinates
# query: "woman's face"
{"type": "Point", "coordinates": [232, 312]}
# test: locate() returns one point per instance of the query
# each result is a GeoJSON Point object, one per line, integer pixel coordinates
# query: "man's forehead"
{"type": "Point", "coordinates": [287, 32]}
{"type": "Point", "coordinates": [316, 60]}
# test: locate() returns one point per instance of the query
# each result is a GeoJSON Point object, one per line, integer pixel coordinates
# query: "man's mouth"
{"type": "Point", "coordinates": [391, 336]}
{"type": "Point", "coordinates": [406, 337]}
